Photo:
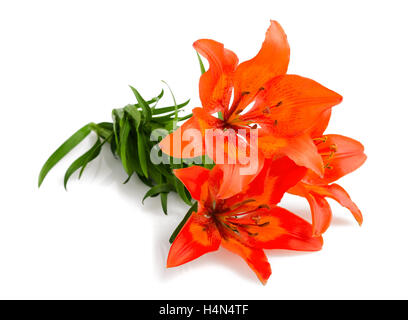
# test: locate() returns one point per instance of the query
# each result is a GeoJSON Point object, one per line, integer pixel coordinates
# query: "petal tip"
{"type": "Point", "coordinates": [319, 242]}
{"type": "Point", "coordinates": [316, 234]}
{"type": "Point", "coordinates": [170, 265]}
{"type": "Point", "coordinates": [264, 277]}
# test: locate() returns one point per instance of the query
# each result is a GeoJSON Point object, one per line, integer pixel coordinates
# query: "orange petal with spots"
{"type": "Point", "coordinates": [276, 228]}
{"type": "Point", "coordinates": [291, 105]}
{"type": "Point", "coordinates": [198, 236]}
{"type": "Point", "coordinates": [341, 156]}
{"type": "Point", "coordinates": [271, 61]}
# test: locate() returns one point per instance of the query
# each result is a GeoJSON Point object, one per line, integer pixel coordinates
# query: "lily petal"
{"type": "Point", "coordinates": [320, 208]}
{"type": "Point", "coordinates": [193, 178]}
{"type": "Point", "coordinates": [300, 149]}
{"type": "Point", "coordinates": [198, 236]}
{"type": "Point", "coordinates": [341, 196]}
{"type": "Point", "coordinates": [216, 83]}
{"type": "Point", "coordinates": [255, 258]}
{"type": "Point", "coordinates": [321, 124]}
{"type": "Point", "coordinates": [175, 146]}
{"type": "Point", "coordinates": [333, 191]}
{"type": "Point", "coordinates": [342, 156]}
{"type": "Point", "coordinates": [291, 105]}
{"type": "Point", "coordinates": [271, 61]}
{"type": "Point", "coordinates": [277, 228]}
{"type": "Point", "coordinates": [237, 177]}
{"type": "Point", "coordinates": [321, 213]}
{"type": "Point", "coordinates": [269, 186]}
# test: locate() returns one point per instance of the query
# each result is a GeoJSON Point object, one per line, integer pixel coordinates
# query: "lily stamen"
{"type": "Point", "coordinates": [321, 139]}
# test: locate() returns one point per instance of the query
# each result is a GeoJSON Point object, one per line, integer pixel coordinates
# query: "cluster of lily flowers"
{"type": "Point", "coordinates": [290, 113]}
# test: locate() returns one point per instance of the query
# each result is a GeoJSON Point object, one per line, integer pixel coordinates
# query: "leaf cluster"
{"type": "Point", "coordinates": [130, 137]}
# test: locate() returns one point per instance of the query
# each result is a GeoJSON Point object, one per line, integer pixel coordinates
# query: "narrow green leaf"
{"type": "Point", "coordinates": [181, 190]}
{"type": "Point", "coordinates": [154, 191]}
{"type": "Point", "coordinates": [128, 178]}
{"type": "Point", "coordinates": [113, 147]}
{"type": "Point", "coordinates": [83, 160]}
{"type": "Point", "coordinates": [135, 114]}
{"type": "Point", "coordinates": [188, 116]}
{"type": "Point", "coordinates": [163, 171]}
{"type": "Point", "coordinates": [124, 134]}
{"type": "Point", "coordinates": [169, 117]}
{"type": "Point", "coordinates": [202, 68]}
{"type": "Point", "coordinates": [141, 148]}
{"type": "Point", "coordinates": [176, 109]}
{"type": "Point", "coordinates": [106, 125]}
{"type": "Point", "coordinates": [102, 129]}
{"type": "Point", "coordinates": [133, 154]}
{"type": "Point", "coordinates": [154, 173]}
{"type": "Point", "coordinates": [157, 98]}
{"type": "Point", "coordinates": [117, 116]}
{"type": "Point", "coordinates": [147, 112]}
{"type": "Point", "coordinates": [171, 108]}
{"type": "Point", "coordinates": [163, 199]}
{"type": "Point", "coordinates": [145, 180]}
{"type": "Point", "coordinates": [63, 150]}
{"type": "Point", "coordinates": [86, 162]}
{"type": "Point", "coordinates": [183, 222]}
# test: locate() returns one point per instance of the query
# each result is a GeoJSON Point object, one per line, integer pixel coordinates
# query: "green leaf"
{"type": "Point", "coordinates": [169, 117]}
{"type": "Point", "coordinates": [132, 154]}
{"type": "Point", "coordinates": [157, 98]}
{"type": "Point", "coordinates": [176, 109]}
{"type": "Point", "coordinates": [63, 150]}
{"type": "Point", "coordinates": [186, 117]}
{"type": "Point", "coordinates": [163, 197]}
{"type": "Point", "coordinates": [124, 134]}
{"type": "Point", "coordinates": [153, 173]}
{"type": "Point", "coordinates": [141, 148]}
{"type": "Point", "coordinates": [102, 129]}
{"type": "Point", "coordinates": [183, 222]}
{"type": "Point", "coordinates": [181, 190]}
{"type": "Point", "coordinates": [117, 116]}
{"type": "Point", "coordinates": [170, 109]}
{"type": "Point", "coordinates": [163, 170]}
{"type": "Point", "coordinates": [128, 178]}
{"type": "Point", "coordinates": [202, 69]}
{"type": "Point", "coordinates": [147, 112]}
{"type": "Point", "coordinates": [154, 191]}
{"type": "Point", "coordinates": [84, 165]}
{"type": "Point", "coordinates": [145, 180]}
{"type": "Point", "coordinates": [83, 160]}
{"type": "Point", "coordinates": [113, 148]}
{"type": "Point", "coordinates": [106, 125]}
{"type": "Point", "coordinates": [135, 114]}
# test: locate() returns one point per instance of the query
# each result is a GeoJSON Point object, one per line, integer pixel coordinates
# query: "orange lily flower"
{"type": "Point", "coordinates": [247, 222]}
{"type": "Point", "coordinates": [285, 107]}
{"type": "Point", "coordinates": [341, 155]}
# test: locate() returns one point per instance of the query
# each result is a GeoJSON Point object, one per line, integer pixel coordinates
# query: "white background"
{"type": "Point", "coordinates": [65, 63]}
